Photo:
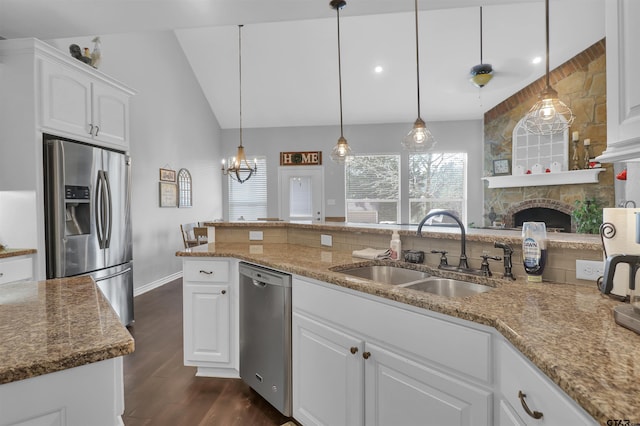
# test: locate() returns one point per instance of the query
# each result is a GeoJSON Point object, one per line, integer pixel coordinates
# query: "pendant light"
{"type": "Point", "coordinates": [482, 73]}
{"type": "Point", "coordinates": [419, 138]}
{"type": "Point", "coordinates": [238, 167]}
{"type": "Point", "coordinates": [549, 115]}
{"type": "Point", "coordinates": [341, 152]}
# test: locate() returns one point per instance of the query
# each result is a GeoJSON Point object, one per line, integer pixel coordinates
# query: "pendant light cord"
{"type": "Point", "coordinates": [546, 7]}
{"type": "Point", "coordinates": [240, 75]}
{"type": "Point", "coordinates": [417, 59]}
{"type": "Point", "coordinates": [480, 35]}
{"type": "Point", "coordinates": [339, 71]}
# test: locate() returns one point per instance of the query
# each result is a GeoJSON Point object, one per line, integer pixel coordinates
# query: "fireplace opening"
{"type": "Point", "coordinates": [554, 220]}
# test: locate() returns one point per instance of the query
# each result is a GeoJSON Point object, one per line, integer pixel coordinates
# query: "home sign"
{"type": "Point", "coordinates": [305, 158]}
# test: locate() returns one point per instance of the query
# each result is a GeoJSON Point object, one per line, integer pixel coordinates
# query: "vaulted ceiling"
{"type": "Point", "coordinates": [289, 51]}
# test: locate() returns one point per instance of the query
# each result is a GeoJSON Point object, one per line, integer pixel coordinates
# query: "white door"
{"type": "Point", "coordinates": [301, 192]}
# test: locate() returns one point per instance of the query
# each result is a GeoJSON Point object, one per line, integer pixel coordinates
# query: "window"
{"type": "Point", "coordinates": [248, 201]}
{"type": "Point", "coordinates": [543, 150]}
{"type": "Point", "coordinates": [373, 189]}
{"type": "Point", "coordinates": [184, 188]}
{"type": "Point", "coordinates": [437, 181]}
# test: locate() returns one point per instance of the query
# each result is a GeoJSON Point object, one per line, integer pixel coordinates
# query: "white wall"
{"type": "Point", "coordinates": [172, 126]}
{"type": "Point", "coordinates": [458, 136]}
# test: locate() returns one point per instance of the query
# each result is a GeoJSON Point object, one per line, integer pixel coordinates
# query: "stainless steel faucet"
{"type": "Point", "coordinates": [463, 239]}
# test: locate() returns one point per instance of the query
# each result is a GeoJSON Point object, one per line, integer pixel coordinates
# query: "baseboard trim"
{"type": "Point", "coordinates": [157, 283]}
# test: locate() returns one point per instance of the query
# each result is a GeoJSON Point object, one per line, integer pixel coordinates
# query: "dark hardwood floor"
{"type": "Point", "coordinates": [159, 390]}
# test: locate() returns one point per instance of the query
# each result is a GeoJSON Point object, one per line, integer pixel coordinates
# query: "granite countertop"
{"type": "Point", "coordinates": [566, 330]}
{"type": "Point", "coordinates": [54, 325]}
{"type": "Point", "coordinates": [7, 252]}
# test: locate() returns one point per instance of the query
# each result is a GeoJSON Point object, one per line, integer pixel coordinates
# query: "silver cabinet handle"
{"type": "Point", "coordinates": [535, 414]}
{"type": "Point", "coordinates": [206, 272]}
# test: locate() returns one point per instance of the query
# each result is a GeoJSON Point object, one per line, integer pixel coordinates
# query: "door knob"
{"type": "Point", "coordinates": [354, 349]}
{"type": "Point", "coordinates": [224, 292]}
{"type": "Point", "coordinates": [366, 355]}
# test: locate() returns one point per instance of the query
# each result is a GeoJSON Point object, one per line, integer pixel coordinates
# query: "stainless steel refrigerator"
{"type": "Point", "coordinates": [88, 220]}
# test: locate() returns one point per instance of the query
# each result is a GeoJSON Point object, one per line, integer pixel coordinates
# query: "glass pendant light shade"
{"type": "Point", "coordinates": [341, 152]}
{"type": "Point", "coordinates": [549, 115]}
{"type": "Point", "coordinates": [419, 139]}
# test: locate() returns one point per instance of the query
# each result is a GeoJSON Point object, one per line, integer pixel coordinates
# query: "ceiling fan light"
{"type": "Point", "coordinates": [419, 139]}
{"type": "Point", "coordinates": [481, 74]}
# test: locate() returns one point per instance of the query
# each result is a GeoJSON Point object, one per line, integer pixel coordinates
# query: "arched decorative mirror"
{"type": "Point", "coordinates": [185, 198]}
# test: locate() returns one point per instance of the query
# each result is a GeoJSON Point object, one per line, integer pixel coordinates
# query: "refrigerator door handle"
{"type": "Point", "coordinates": [117, 274]}
{"type": "Point", "coordinates": [98, 209]}
{"type": "Point", "coordinates": [109, 210]}
{"type": "Point", "coordinates": [103, 206]}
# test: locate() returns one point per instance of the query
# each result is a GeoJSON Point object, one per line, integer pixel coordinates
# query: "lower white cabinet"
{"type": "Point", "coordinates": [344, 374]}
{"type": "Point", "coordinates": [210, 316]}
{"type": "Point", "coordinates": [19, 268]}
{"type": "Point", "coordinates": [528, 397]}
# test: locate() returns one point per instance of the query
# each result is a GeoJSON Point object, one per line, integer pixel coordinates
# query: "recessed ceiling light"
{"type": "Point", "coordinates": [537, 60]}
{"type": "Point", "coordinates": [378, 69]}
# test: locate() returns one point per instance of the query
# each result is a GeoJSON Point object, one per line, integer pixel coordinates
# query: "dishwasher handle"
{"type": "Point", "coordinates": [259, 284]}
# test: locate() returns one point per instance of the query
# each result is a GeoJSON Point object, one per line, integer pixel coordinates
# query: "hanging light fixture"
{"type": "Point", "coordinates": [549, 115]}
{"type": "Point", "coordinates": [419, 138]}
{"type": "Point", "coordinates": [341, 152]}
{"type": "Point", "coordinates": [238, 168]}
{"type": "Point", "coordinates": [482, 73]}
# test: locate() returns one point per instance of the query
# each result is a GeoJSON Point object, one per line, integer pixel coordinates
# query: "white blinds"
{"type": "Point", "coordinates": [248, 201]}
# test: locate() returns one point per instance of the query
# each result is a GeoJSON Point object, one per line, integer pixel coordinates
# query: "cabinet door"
{"type": "Point", "coordinates": [110, 115]}
{"type": "Point", "coordinates": [16, 269]}
{"type": "Point", "coordinates": [402, 392]}
{"type": "Point", "coordinates": [66, 99]}
{"type": "Point", "coordinates": [206, 323]}
{"type": "Point", "coordinates": [507, 415]}
{"type": "Point", "coordinates": [328, 375]}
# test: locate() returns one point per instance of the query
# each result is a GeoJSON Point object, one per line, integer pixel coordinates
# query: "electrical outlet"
{"type": "Point", "coordinates": [589, 269]}
{"type": "Point", "coordinates": [255, 235]}
{"type": "Point", "coordinates": [326, 240]}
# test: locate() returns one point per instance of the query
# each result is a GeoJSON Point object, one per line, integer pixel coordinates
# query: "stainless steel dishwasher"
{"type": "Point", "coordinates": [265, 334]}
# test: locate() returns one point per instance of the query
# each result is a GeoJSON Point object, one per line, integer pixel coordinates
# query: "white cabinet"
{"type": "Point", "coordinates": [623, 86]}
{"type": "Point", "coordinates": [328, 374]}
{"type": "Point", "coordinates": [19, 268]}
{"type": "Point", "coordinates": [361, 361]}
{"type": "Point", "coordinates": [210, 316]}
{"type": "Point", "coordinates": [528, 397]}
{"type": "Point", "coordinates": [76, 104]}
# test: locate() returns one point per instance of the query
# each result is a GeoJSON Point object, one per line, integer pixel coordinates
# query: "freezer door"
{"type": "Point", "coordinates": [117, 285]}
{"type": "Point", "coordinates": [70, 194]}
{"type": "Point", "coordinates": [117, 223]}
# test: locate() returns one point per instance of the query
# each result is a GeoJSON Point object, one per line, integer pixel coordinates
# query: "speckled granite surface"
{"type": "Point", "coordinates": [568, 331]}
{"type": "Point", "coordinates": [8, 252]}
{"type": "Point", "coordinates": [54, 325]}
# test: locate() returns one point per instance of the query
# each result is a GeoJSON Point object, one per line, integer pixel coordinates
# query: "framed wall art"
{"type": "Point", "coordinates": [168, 194]}
{"type": "Point", "coordinates": [167, 175]}
{"type": "Point", "coordinates": [501, 167]}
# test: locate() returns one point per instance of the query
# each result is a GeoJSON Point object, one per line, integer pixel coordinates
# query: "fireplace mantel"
{"type": "Point", "coordinates": [542, 179]}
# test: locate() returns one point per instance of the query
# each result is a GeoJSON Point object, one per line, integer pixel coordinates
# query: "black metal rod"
{"type": "Point", "coordinates": [240, 75]}
{"type": "Point", "coordinates": [339, 70]}
{"type": "Point", "coordinates": [417, 59]}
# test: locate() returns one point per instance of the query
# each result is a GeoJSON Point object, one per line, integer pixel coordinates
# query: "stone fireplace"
{"type": "Point", "coordinates": [555, 214]}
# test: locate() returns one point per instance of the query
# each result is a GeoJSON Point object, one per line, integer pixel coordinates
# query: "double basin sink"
{"type": "Point", "coordinates": [416, 280]}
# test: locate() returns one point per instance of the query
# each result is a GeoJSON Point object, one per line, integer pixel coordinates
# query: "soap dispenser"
{"type": "Point", "coordinates": [395, 246]}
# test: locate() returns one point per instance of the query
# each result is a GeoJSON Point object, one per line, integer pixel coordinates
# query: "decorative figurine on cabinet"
{"type": "Point", "coordinates": [75, 51]}
{"type": "Point", "coordinates": [96, 54]}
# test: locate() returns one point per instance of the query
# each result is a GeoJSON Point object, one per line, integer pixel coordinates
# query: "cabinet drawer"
{"type": "Point", "coordinates": [16, 270]}
{"type": "Point", "coordinates": [517, 374]}
{"type": "Point", "coordinates": [206, 270]}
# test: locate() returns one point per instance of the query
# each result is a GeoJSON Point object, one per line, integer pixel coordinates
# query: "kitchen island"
{"type": "Point", "coordinates": [567, 331]}
{"type": "Point", "coordinates": [61, 348]}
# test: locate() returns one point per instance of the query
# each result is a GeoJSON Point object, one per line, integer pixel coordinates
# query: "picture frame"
{"type": "Point", "coordinates": [501, 167]}
{"type": "Point", "coordinates": [167, 175]}
{"type": "Point", "coordinates": [168, 194]}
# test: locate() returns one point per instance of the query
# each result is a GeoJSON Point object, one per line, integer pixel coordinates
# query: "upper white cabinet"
{"type": "Point", "coordinates": [623, 85]}
{"type": "Point", "coordinates": [77, 104]}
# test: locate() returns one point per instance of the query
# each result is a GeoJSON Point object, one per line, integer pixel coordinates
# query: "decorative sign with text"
{"type": "Point", "coordinates": [306, 158]}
